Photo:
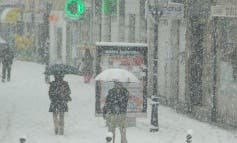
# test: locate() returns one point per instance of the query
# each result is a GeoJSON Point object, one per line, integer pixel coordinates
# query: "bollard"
{"type": "Point", "coordinates": [109, 137]}
{"type": "Point", "coordinates": [189, 136]}
{"type": "Point", "coordinates": [22, 140]}
{"type": "Point", "coordinates": [154, 115]}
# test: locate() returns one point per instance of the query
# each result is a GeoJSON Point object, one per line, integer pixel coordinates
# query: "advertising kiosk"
{"type": "Point", "coordinates": [129, 56]}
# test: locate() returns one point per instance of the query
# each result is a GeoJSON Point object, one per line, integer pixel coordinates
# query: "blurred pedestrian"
{"type": "Point", "coordinates": [7, 56]}
{"type": "Point", "coordinates": [115, 110]}
{"type": "Point", "coordinates": [1, 55]}
{"type": "Point", "coordinates": [46, 76]}
{"type": "Point", "coordinates": [46, 61]}
{"type": "Point", "coordinates": [59, 94]}
{"type": "Point", "coordinates": [87, 66]}
{"type": "Point", "coordinates": [234, 63]}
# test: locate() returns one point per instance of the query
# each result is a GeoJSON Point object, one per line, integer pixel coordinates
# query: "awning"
{"type": "Point", "coordinates": [10, 15]}
{"type": "Point", "coordinates": [83, 47]}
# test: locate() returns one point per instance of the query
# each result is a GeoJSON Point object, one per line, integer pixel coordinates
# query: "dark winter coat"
{"type": "Point", "coordinates": [59, 94]}
{"type": "Point", "coordinates": [7, 56]}
{"type": "Point", "coordinates": [87, 66]}
{"type": "Point", "coordinates": [116, 101]}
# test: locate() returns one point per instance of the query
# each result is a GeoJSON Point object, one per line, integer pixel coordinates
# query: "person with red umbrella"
{"type": "Point", "coordinates": [87, 66]}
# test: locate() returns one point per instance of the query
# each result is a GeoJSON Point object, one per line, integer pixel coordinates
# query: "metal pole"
{"type": "Point", "coordinates": [156, 13]}
{"type": "Point", "coordinates": [92, 16]}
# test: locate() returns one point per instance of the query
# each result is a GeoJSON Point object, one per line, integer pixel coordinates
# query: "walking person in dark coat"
{"type": "Point", "coordinates": [59, 94]}
{"type": "Point", "coordinates": [234, 64]}
{"type": "Point", "coordinates": [115, 110]}
{"type": "Point", "coordinates": [87, 66]}
{"type": "Point", "coordinates": [7, 56]}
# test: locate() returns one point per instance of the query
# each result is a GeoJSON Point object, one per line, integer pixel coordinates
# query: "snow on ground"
{"type": "Point", "coordinates": [24, 107]}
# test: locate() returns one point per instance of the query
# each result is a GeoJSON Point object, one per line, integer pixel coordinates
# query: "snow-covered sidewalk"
{"type": "Point", "coordinates": [24, 107]}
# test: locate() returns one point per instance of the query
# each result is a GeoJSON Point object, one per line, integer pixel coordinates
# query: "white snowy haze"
{"type": "Point", "coordinates": [186, 58]}
{"type": "Point", "coordinates": [24, 105]}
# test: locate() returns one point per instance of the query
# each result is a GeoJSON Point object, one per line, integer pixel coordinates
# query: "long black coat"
{"type": "Point", "coordinates": [59, 94]}
{"type": "Point", "coordinates": [116, 101]}
{"type": "Point", "coordinates": [7, 56]}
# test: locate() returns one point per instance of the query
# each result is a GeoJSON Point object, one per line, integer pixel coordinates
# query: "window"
{"type": "Point", "coordinates": [132, 22]}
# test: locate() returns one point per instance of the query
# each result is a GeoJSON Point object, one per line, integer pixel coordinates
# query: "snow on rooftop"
{"type": "Point", "coordinates": [121, 44]}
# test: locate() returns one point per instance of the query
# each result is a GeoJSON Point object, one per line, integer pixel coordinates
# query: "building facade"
{"type": "Point", "coordinates": [224, 24]}
{"type": "Point", "coordinates": [197, 61]}
{"type": "Point", "coordinates": [69, 37]}
{"type": "Point", "coordinates": [196, 70]}
{"type": "Point", "coordinates": [209, 64]}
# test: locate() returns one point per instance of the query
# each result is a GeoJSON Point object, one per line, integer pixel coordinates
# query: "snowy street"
{"type": "Point", "coordinates": [24, 112]}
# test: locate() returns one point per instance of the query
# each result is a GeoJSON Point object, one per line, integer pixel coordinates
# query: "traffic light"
{"type": "Point", "coordinates": [110, 7]}
{"type": "Point", "coordinates": [74, 8]}
{"type": "Point", "coordinates": [98, 7]}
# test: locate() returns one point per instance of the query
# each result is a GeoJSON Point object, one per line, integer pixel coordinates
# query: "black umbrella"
{"type": "Point", "coordinates": [61, 69]}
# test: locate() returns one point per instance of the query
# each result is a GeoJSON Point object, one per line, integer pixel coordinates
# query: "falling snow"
{"type": "Point", "coordinates": [177, 60]}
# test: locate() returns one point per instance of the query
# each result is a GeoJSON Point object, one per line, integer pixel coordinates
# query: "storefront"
{"type": "Point", "coordinates": [8, 18]}
{"type": "Point", "coordinates": [225, 42]}
{"type": "Point", "coordinates": [69, 36]}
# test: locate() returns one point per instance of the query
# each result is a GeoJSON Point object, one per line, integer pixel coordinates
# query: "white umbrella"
{"type": "Point", "coordinates": [2, 41]}
{"type": "Point", "coordinates": [116, 74]}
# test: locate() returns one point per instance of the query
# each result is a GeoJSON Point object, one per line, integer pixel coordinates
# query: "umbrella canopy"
{"type": "Point", "coordinates": [10, 2]}
{"type": "Point", "coordinates": [10, 15]}
{"type": "Point", "coordinates": [116, 74]}
{"type": "Point", "coordinates": [61, 69]}
{"type": "Point", "coordinates": [2, 41]}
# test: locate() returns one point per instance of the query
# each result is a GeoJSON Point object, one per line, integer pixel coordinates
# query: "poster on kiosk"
{"type": "Point", "coordinates": [128, 56]}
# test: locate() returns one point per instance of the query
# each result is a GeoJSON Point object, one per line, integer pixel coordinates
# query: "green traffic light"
{"type": "Point", "coordinates": [74, 8]}
{"type": "Point", "coordinates": [110, 6]}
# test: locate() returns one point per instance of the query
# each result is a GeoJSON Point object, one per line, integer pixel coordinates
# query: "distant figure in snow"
{"type": "Point", "coordinates": [234, 64]}
{"type": "Point", "coordinates": [59, 95]}
{"type": "Point", "coordinates": [46, 76]}
{"type": "Point", "coordinates": [7, 56]}
{"type": "Point", "coordinates": [115, 110]}
{"type": "Point", "coordinates": [87, 66]}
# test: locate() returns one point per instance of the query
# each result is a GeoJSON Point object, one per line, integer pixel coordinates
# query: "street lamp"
{"type": "Point", "coordinates": [45, 39]}
{"type": "Point", "coordinates": [156, 13]}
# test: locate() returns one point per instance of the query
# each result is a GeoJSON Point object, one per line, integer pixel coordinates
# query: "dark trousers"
{"type": "Point", "coordinates": [113, 121]}
{"type": "Point", "coordinates": [58, 119]}
{"type": "Point", "coordinates": [6, 71]}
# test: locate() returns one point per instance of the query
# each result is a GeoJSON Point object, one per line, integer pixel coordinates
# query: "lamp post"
{"type": "Point", "coordinates": [47, 42]}
{"type": "Point", "coordinates": [156, 13]}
